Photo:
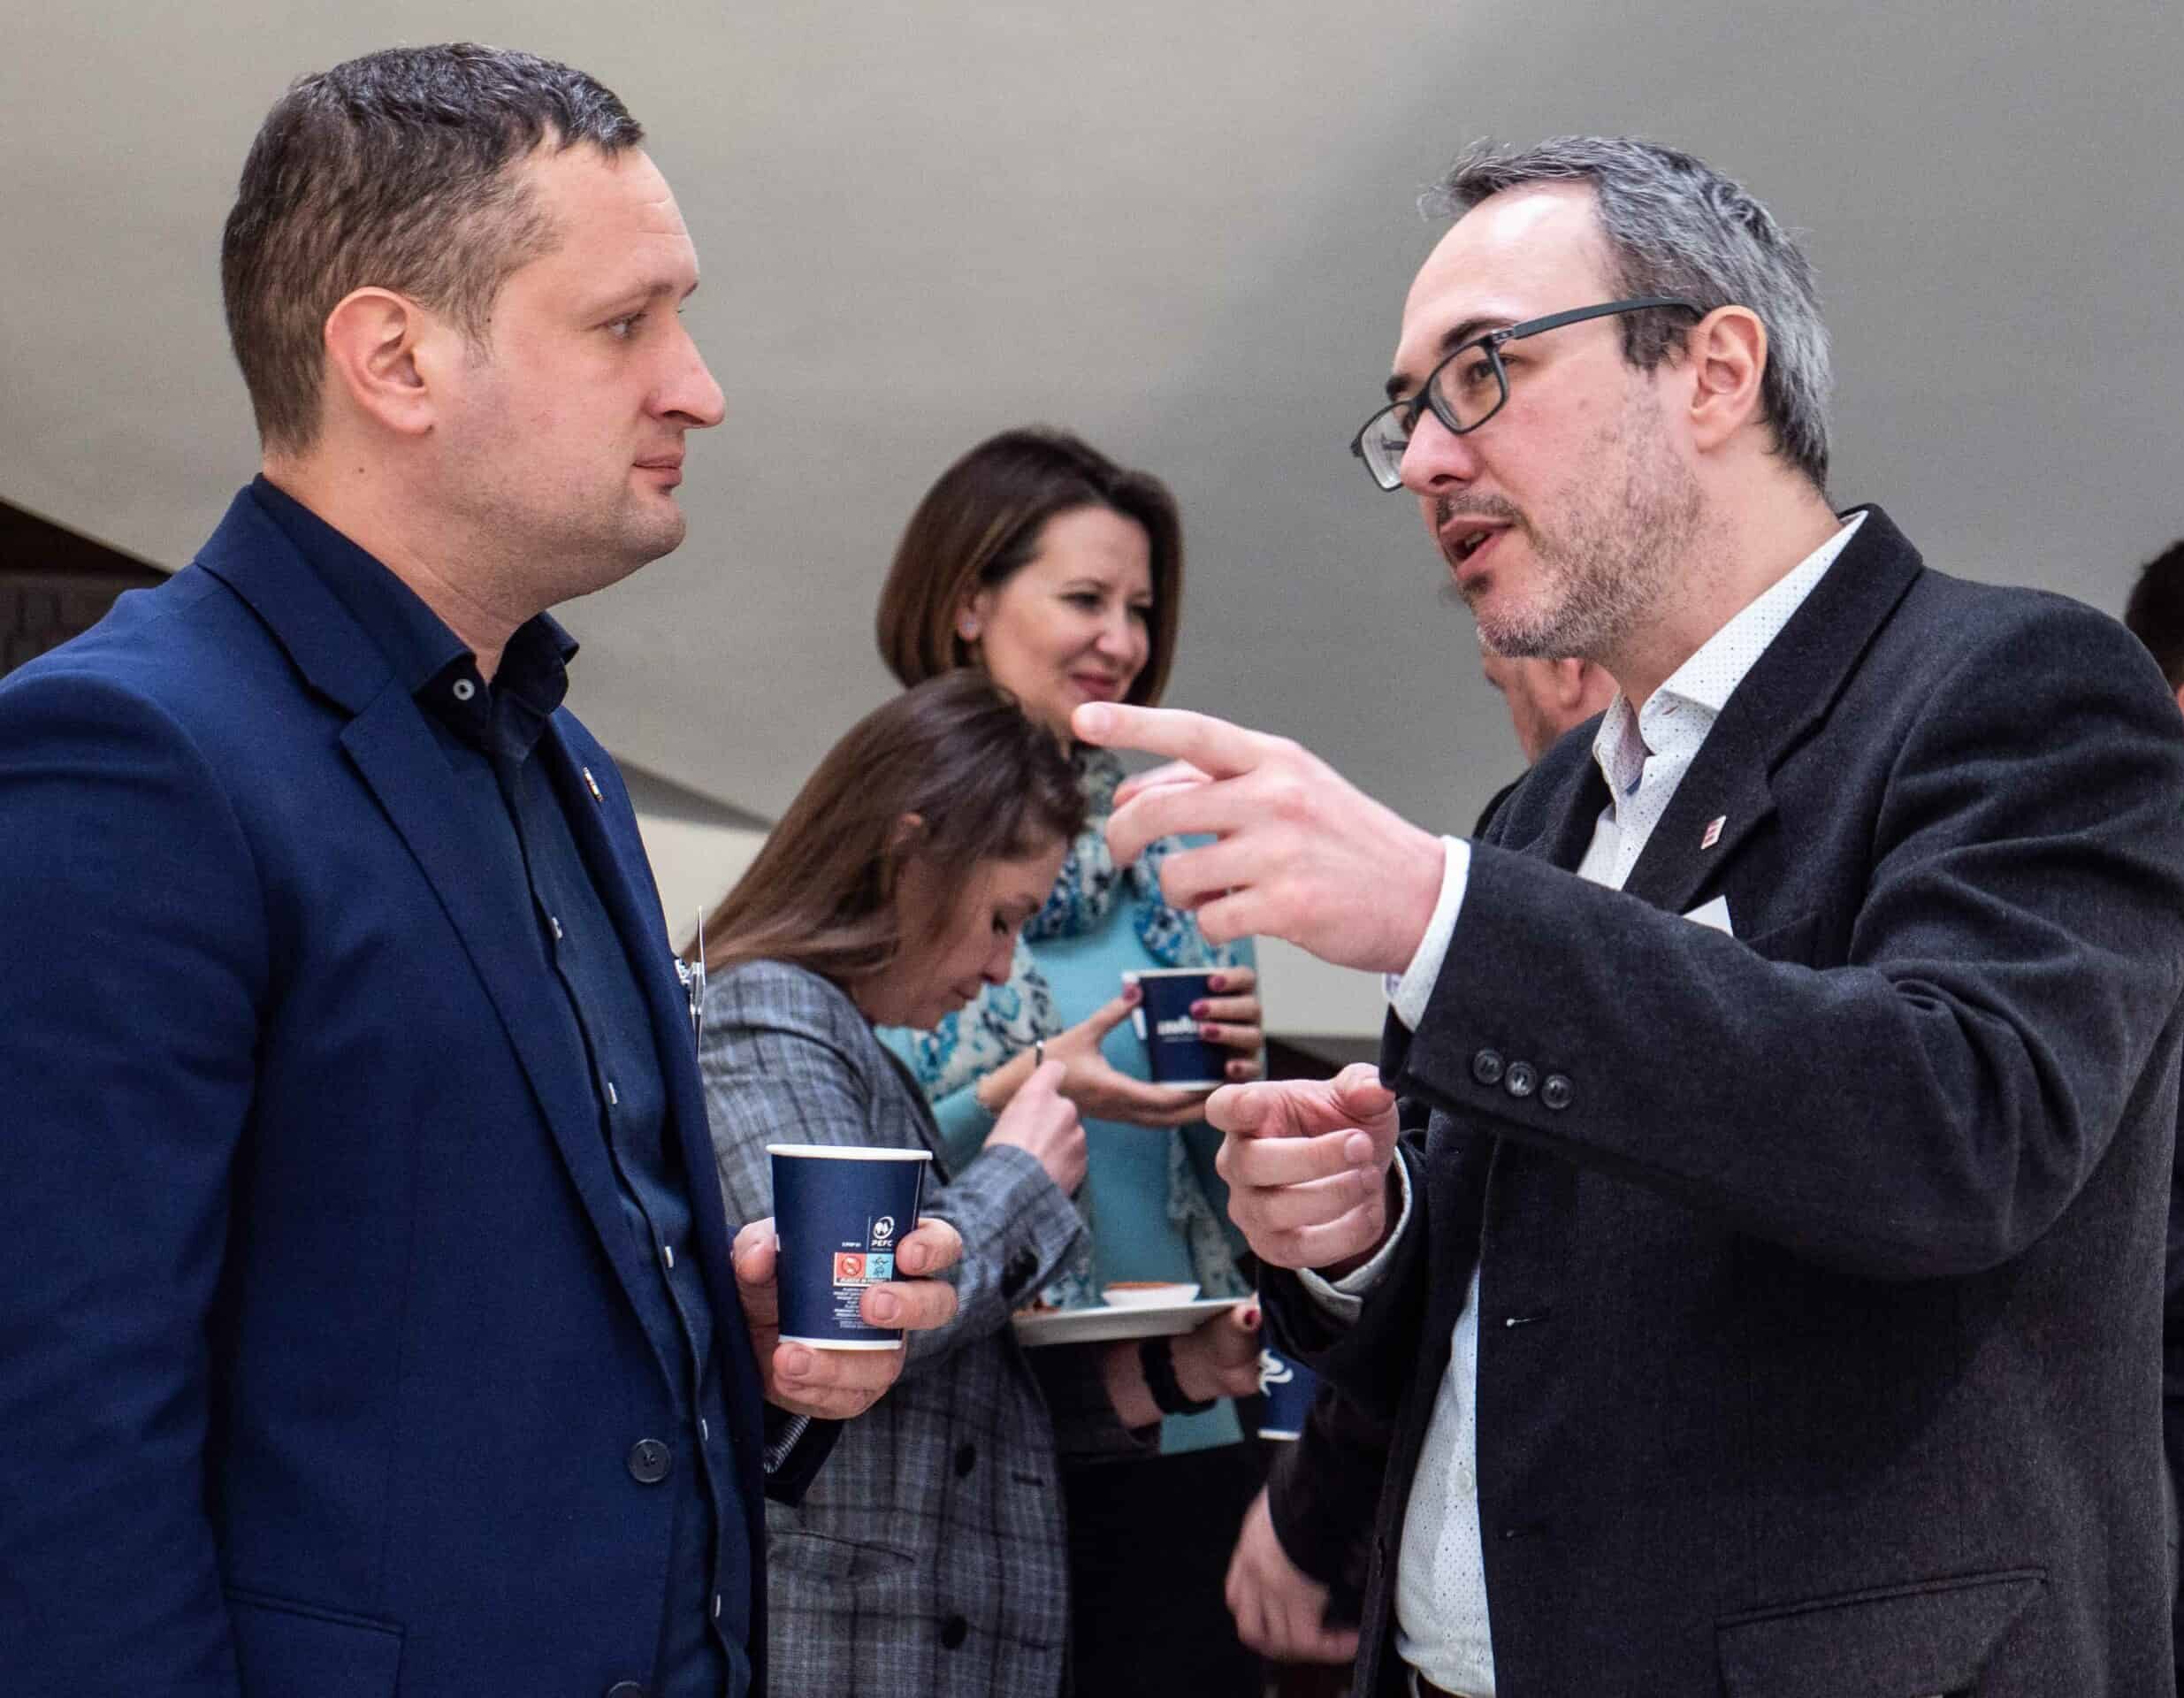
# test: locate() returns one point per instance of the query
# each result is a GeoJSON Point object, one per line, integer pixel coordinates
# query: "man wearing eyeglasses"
{"type": "Point", "coordinates": [1772, 1304]}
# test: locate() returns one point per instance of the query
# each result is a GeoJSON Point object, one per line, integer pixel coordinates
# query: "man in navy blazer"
{"type": "Point", "coordinates": [367, 1323]}
{"type": "Point", "coordinates": [1772, 1304]}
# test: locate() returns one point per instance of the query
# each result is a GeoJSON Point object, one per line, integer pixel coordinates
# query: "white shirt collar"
{"type": "Point", "coordinates": [1680, 714]}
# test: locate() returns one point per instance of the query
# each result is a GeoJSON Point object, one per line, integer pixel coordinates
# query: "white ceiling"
{"type": "Point", "coordinates": [1184, 230]}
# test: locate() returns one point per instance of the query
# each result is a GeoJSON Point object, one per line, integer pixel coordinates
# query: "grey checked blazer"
{"type": "Point", "coordinates": [928, 1557]}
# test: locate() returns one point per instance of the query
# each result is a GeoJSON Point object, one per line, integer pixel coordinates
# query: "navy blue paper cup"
{"type": "Point", "coordinates": [1174, 1053]}
{"type": "Point", "coordinates": [839, 1214]}
{"type": "Point", "coordinates": [1288, 1386]}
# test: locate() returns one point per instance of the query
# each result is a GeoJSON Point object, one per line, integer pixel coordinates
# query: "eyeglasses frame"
{"type": "Point", "coordinates": [1493, 341]}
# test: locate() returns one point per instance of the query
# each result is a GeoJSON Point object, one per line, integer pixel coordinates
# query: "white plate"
{"type": "Point", "coordinates": [1103, 1324]}
{"type": "Point", "coordinates": [1149, 1296]}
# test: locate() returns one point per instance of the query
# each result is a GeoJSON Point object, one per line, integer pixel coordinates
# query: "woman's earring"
{"type": "Point", "coordinates": [966, 628]}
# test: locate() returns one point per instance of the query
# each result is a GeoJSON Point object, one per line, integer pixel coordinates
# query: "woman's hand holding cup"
{"type": "Point", "coordinates": [1221, 1358]}
{"type": "Point", "coordinates": [1234, 1019]}
{"type": "Point", "coordinates": [1100, 1091]}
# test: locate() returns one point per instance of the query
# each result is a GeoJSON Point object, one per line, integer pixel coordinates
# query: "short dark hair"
{"type": "Point", "coordinates": [2154, 613]}
{"type": "Point", "coordinates": [394, 170]}
{"type": "Point", "coordinates": [1674, 225]}
{"type": "Point", "coordinates": [957, 752]}
{"type": "Point", "coordinates": [980, 523]}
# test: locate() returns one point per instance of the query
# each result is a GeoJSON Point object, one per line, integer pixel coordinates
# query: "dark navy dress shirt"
{"type": "Point", "coordinates": [490, 735]}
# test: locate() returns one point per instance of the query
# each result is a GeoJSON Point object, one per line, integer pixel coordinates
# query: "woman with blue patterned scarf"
{"type": "Point", "coordinates": [1059, 574]}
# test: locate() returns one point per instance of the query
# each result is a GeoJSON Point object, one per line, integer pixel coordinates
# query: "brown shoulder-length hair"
{"type": "Point", "coordinates": [985, 782]}
{"type": "Point", "coordinates": [981, 522]}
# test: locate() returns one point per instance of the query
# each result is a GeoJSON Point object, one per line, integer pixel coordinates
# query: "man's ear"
{"type": "Point", "coordinates": [1726, 358]}
{"type": "Point", "coordinates": [379, 354]}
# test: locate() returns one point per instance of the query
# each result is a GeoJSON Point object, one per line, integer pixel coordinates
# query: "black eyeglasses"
{"type": "Point", "coordinates": [1470, 384]}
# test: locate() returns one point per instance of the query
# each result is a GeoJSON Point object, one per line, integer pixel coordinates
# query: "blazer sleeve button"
{"type": "Point", "coordinates": [650, 1461]}
{"type": "Point", "coordinates": [1520, 1080]}
{"type": "Point", "coordinates": [1486, 1066]}
{"type": "Point", "coordinates": [1556, 1091]}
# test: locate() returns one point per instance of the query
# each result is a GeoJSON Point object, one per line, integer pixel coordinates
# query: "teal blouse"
{"type": "Point", "coordinates": [1126, 1187]}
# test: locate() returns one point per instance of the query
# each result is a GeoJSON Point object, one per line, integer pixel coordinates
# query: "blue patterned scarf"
{"type": "Point", "coordinates": [1007, 1018]}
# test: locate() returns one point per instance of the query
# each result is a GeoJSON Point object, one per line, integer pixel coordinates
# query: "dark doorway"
{"type": "Point", "coordinates": [55, 585]}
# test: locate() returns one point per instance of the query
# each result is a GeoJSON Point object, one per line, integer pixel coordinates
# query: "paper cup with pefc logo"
{"type": "Point", "coordinates": [838, 1213]}
{"type": "Point", "coordinates": [1288, 1386]}
{"type": "Point", "coordinates": [1174, 1053]}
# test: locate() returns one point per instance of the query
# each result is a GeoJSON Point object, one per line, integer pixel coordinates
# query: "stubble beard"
{"type": "Point", "coordinates": [1610, 568]}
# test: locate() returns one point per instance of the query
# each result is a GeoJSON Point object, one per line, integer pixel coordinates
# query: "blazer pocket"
{"type": "Point", "coordinates": [287, 1649]}
{"type": "Point", "coordinates": [1904, 1641]}
{"type": "Point", "coordinates": [1793, 944]}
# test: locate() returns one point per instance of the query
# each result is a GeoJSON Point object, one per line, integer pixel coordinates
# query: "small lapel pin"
{"type": "Point", "coordinates": [1707, 839]}
{"type": "Point", "coordinates": [592, 785]}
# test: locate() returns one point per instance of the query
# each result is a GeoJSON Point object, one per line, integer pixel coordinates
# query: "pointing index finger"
{"type": "Point", "coordinates": [1216, 747]}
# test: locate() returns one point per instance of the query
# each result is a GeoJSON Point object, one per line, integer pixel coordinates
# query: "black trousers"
{"type": "Point", "coordinates": [1148, 1547]}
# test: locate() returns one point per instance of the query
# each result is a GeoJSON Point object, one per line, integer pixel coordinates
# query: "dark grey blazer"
{"type": "Point", "coordinates": [928, 1557]}
{"type": "Point", "coordinates": [1822, 1276]}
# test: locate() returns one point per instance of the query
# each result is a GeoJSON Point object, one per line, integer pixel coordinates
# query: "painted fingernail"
{"type": "Point", "coordinates": [885, 1306]}
{"type": "Point", "coordinates": [1132, 992]}
{"type": "Point", "coordinates": [1238, 1070]}
{"type": "Point", "coordinates": [1216, 982]}
{"type": "Point", "coordinates": [1198, 1010]}
{"type": "Point", "coordinates": [1209, 1031]}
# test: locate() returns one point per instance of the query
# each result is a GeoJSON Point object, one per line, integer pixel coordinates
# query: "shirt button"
{"type": "Point", "coordinates": [625, 1689]}
{"type": "Point", "coordinates": [954, 1631]}
{"type": "Point", "coordinates": [716, 1606]}
{"type": "Point", "coordinates": [703, 1432]}
{"type": "Point", "coordinates": [966, 1459]}
{"type": "Point", "coordinates": [1520, 1080]}
{"type": "Point", "coordinates": [1556, 1091]}
{"type": "Point", "coordinates": [556, 924]}
{"type": "Point", "coordinates": [667, 1253]}
{"type": "Point", "coordinates": [650, 1461]}
{"type": "Point", "coordinates": [614, 1097]}
{"type": "Point", "coordinates": [1486, 1066]}
{"type": "Point", "coordinates": [462, 691]}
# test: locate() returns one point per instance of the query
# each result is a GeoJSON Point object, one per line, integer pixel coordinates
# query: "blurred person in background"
{"type": "Point", "coordinates": [929, 1556]}
{"type": "Point", "coordinates": [1039, 560]}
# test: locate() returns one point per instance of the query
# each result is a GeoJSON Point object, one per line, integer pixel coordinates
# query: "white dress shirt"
{"type": "Point", "coordinates": [1441, 1618]}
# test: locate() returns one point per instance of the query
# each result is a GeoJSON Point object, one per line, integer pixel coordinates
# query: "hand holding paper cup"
{"type": "Point", "coordinates": [839, 1213]}
{"type": "Point", "coordinates": [1176, 1054]}
{"type": "Point", "coordinates": [1289, 1387]}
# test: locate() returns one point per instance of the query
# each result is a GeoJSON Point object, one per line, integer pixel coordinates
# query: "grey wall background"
{"type": "Point", "coordinates": [1184, 230]}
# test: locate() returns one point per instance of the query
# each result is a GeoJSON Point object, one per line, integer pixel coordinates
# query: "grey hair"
{"type": "Point", "coordinates": [1674, 225]}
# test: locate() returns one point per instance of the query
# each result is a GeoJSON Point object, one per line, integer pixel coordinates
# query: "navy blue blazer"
{"type": "Point", "coordinates": [319, 1371]}
{"type": "Point", "coordinates": [1821, 1265]}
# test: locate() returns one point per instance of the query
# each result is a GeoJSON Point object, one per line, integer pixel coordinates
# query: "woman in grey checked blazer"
{"type": "Point", "coordinates": [929, 1556]}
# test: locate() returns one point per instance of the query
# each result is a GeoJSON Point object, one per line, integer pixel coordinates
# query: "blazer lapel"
{"type": "Point", "coordinates": [393, 751]}
{"type": "Point", "coordinates": [1567, 831]}
{"type": "Point", "coordinates": [1727, 793]}
{"type": "Point", "coordinates": [600, 818]}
